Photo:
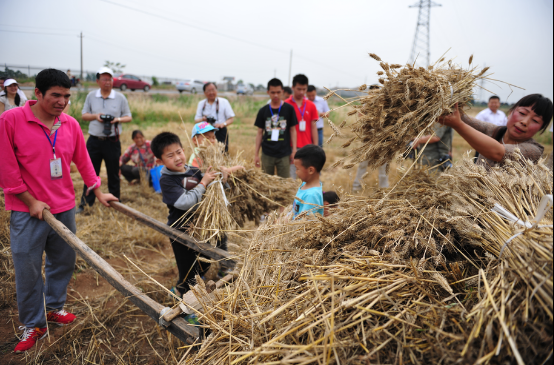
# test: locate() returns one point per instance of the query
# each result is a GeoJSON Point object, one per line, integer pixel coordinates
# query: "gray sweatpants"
{"type": "Point", "coordinates": [29, 238]}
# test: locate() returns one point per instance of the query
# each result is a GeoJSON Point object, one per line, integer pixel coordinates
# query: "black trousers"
{"type": "Point", "coordinates": [188, 265]}
{"type": "Point", "coordinates": [131, 173]}
{"type": "Point", "coordinates": [110, 152]}
{"type": "Point", "coordinates": [222, 136]}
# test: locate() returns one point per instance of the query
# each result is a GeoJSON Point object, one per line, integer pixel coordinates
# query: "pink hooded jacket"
{"type": "Point", "coordinates": [25, 154]}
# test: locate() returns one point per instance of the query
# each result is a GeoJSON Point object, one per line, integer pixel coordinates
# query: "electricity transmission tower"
{"type": "Point", "coordinates": [421, 48]}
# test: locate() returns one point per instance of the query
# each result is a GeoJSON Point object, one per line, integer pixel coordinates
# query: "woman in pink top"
{"type": "Point", "coordinates": [37, 144]}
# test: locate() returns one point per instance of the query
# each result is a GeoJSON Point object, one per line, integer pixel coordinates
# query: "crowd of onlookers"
{"type": "Point", "coordinates": [38, 142]}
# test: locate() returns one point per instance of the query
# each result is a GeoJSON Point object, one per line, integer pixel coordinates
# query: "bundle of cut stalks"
{"type": "Point", "coordinates": [409, 102]}
{"type": "Point", "coordinates": [249, 192]}
{"type": "Point", "coordinates": [514, 316]}
{"type": "Point", "coordinates": [212, 218]}
{"type": "Point", "coordinates": [412, 277]}
{"type": "Point", "coordinates": [254, 193]}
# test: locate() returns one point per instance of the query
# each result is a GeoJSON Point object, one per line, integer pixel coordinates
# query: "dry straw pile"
{"type": "Point", "coordinates": [416, 276]}
{"type": "Point", "coordinates": [409, 102]}
{"type": "Point", "coordinates": [248, 194]}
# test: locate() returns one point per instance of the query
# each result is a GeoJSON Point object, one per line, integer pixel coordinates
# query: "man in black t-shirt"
{"type": "Point", "coordinates": [276, 133]}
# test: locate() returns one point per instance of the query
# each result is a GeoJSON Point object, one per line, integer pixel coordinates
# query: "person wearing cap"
{"type": "Point", "coordinates": [103, 143]}
{"type": "Point", "coordinates": [11, 98]}
{"type": "Point", "coordinates": [216, 111]}
{"type": "Point", "coordinates": [19, 91]}
{"type": "Point", "coordinates": [203, 133]}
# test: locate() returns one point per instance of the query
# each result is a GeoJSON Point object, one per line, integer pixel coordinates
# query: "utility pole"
{"type": "Point", "coordinates": [422, 42]}
{"type": "Point", "coordinates": [482, 87]}
{"type": "Point", "coordinates": [82, 57]}
{"type": "Point", "coordinates": [290, 68]}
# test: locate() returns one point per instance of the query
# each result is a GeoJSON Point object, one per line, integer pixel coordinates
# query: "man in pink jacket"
{"type": "Point", "coordinates": [37, 144]}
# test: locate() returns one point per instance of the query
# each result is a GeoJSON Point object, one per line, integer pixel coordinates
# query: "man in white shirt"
{"type": "Point", "coordinates": [492, 114]}
{"type": "Point", "coordinates": [322, 108]}
{"type": "Point", "coordinates": [103, 143]}
{"type": "Point", "coordinates": [216, 111]}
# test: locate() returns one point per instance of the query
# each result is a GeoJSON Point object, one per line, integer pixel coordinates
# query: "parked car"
{"type": "Point", "coordinates": [127, 81]}
{"type": "Point", "coordinates": [244, 89]}
{"type": "Point", "coordinates": [192, 86]}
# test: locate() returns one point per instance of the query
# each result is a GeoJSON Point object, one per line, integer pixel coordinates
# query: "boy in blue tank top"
{"type": "Point", "coordinates": [309, 160]}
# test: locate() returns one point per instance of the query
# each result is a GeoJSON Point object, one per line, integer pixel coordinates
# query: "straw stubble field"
{"type": "Point", "coordinates": [109, 329]}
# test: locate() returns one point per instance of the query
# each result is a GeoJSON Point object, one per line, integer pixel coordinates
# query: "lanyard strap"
{"type": "Point", "coordinates": [304, 110]}
{"type": "Point", "coordinates": [279, 112]}
{"type": "Point", "coordinates": [50, 141]}
{"type": "Point", "coordinates": [216, 107]}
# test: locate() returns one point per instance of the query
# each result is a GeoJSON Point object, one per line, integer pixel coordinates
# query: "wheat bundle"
{"type": "Point", "coordinates": [254, 193]}
{"type": "Point", "coordinates": [408, 103]}
{"type": "Point", "coordinates": [515, 314]}
{"type": "Point", "coordinates": [345, 289]}
{"type": "Point", "coordinates": [248, 194]}
{"type": "Point", "coordinates": [212, 218]}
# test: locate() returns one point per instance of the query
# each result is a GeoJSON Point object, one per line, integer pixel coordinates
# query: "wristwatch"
{"type": "Point", "coordinates": [119, 119]}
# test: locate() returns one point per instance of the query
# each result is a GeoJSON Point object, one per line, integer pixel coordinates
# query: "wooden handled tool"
{"type": "Point", "coordinates": [179, 327]}
{"type": "Point", "coordinates": [191, 301]}
{"type": "Point", "coordinates": [212, 252]}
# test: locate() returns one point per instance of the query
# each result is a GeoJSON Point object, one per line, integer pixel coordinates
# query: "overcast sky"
{"type": "Point", "coordinates": [252, 39]}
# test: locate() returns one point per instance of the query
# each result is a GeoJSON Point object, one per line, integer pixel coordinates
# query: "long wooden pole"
{"type": "Point", "coordinates": [178, 327]}
{"type": "Point", "coordinates": [212, 252]}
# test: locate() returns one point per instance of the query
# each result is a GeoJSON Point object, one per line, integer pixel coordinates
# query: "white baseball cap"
{"type": "Point", "coordinates": [8, 82]}
{"type": "Point", "coordinates": [105, 70]}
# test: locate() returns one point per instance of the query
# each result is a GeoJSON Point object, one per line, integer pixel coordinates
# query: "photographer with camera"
{"type": "Point", "coordinates": [105, 109]}
{"type": "Point", "coordinates": [216, 111]}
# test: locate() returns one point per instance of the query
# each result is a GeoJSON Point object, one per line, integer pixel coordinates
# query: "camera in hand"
{"type": "Point", "coordinates": [446, 162]}
{"type": "Point", "coordinates": [107, 118]}
{"type": "Point", "coordinates": [211, 120]}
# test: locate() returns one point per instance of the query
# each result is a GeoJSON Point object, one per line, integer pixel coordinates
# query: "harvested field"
{"type": "Point", "coordinates": [110, 330]}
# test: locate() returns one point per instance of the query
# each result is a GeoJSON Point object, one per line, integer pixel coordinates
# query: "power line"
{"type": "Point", "coordinates": [21, 31]}
{"type": "Point", "coordinates": [194, 26]}
{"type": "Point", "coordinates": [224, 35]}
{"type": "Point", "coordinates": [30, 26]}
{"type": "Point", "coordinates": [179, 61]}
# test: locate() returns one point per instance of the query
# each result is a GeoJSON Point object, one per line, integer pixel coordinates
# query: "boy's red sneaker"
{"type": "Point", "coordinates": [61, 317]}
{"type": "Point", "coordinates": [29, 338]}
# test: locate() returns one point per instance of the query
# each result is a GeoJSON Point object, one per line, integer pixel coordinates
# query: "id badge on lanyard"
{"type": "Point", "coordinates": [55, 163]}
{"type": "Point", "coordinates": [302, 124]}
{"type": "Point", "coordinates": [55, 169]}
{"type": "Point", "coordinates": [275, 123]}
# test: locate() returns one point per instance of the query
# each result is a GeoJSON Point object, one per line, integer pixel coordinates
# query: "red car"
{"type": "Point", "coordinates": [127, 81]}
